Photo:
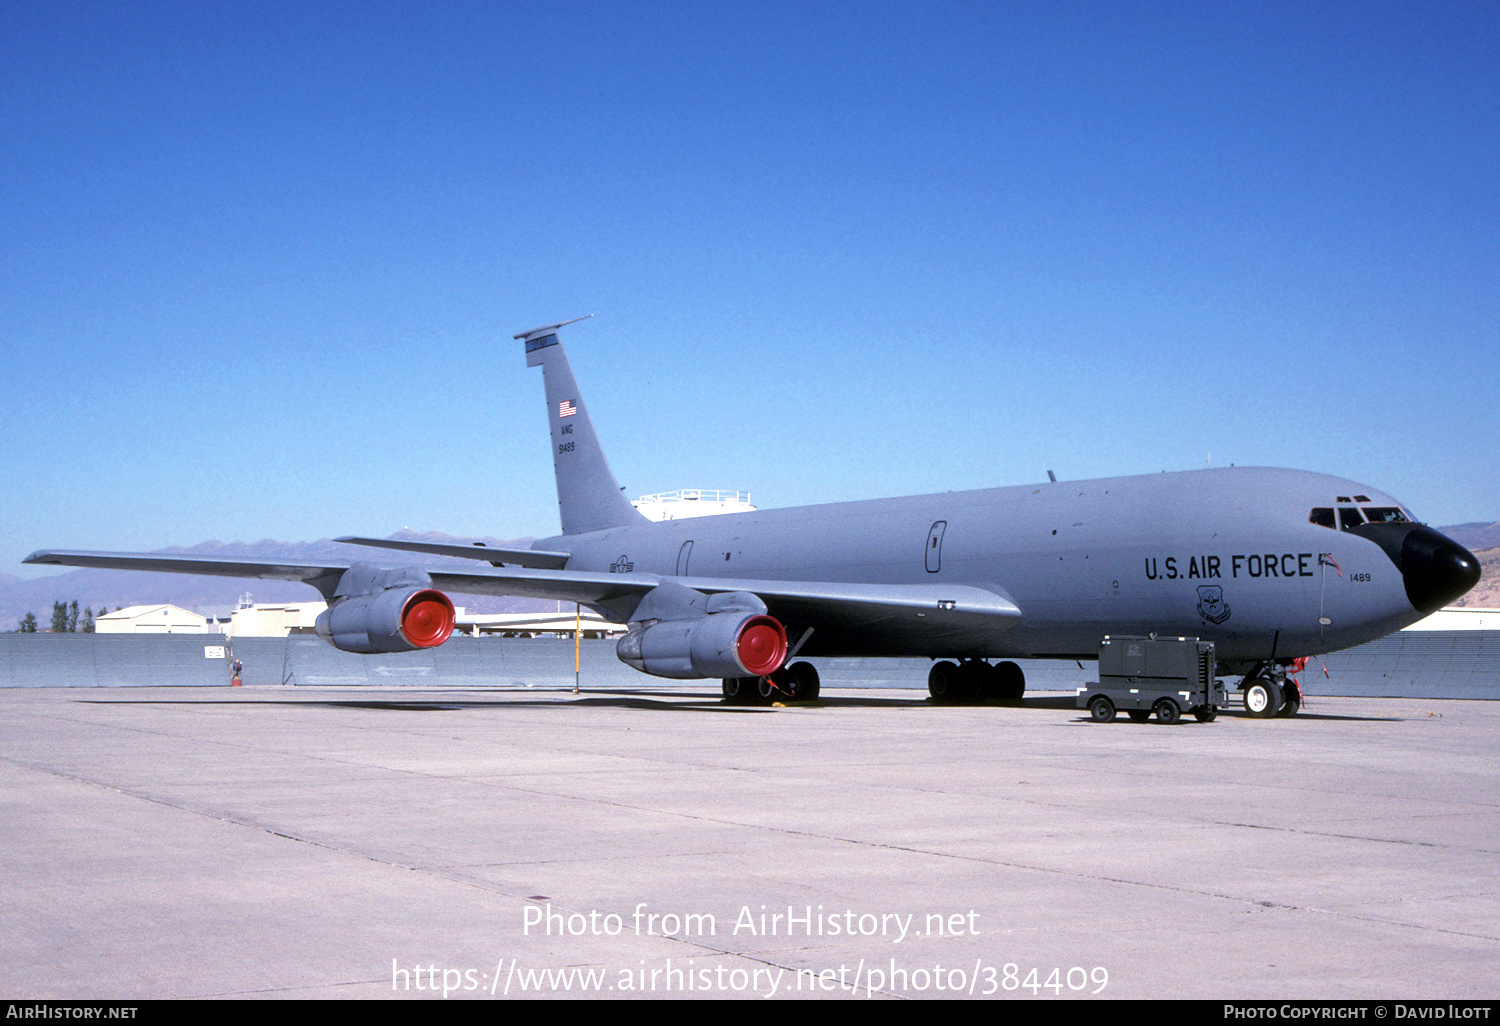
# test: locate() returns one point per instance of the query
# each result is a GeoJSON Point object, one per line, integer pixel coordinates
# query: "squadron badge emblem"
{"type": "Point", "coordinates": [1211, 604]}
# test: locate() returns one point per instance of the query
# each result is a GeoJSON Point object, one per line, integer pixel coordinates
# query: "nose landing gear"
{"type": "Point", "coordinates": [1269, 692]}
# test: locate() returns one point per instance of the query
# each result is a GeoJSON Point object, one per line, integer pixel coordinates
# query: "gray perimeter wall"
{"type": "Point", "coordinates": [1411, 664]}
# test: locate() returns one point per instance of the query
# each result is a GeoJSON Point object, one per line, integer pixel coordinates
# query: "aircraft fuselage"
{"type": "Point", "coordinates": [1227, 555]}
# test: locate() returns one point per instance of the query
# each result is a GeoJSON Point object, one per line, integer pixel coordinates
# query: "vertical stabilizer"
{"type": "Point", "coordinates": [588, 497]}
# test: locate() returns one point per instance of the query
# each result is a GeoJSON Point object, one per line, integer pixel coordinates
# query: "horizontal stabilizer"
{"type": "Point", "coordinates": [536, 559]}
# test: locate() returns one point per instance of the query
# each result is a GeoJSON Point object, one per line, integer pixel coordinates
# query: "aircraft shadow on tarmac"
{"type": "Point", "coordinates": [672, 701]}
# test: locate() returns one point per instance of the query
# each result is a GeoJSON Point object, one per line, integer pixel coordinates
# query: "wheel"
{"type": "Point", "coordinates": [1262, 698]}
{"type": "Point", "coordinates": [990, 686]}
{"type": "Point", "coordinates": [1167, 711]}
{"type": "Point", "coordinates": [1291, 700]}
{"type": "Point", "coordinates": [798, 682]}
{"type": "Point", "coordinates": [972, 675]}
{"type": "Point", "coordinates": [1102, 709]}
{"type": "Point", "coordinates": [1207, 713]}
{"type": "Point", "coordinates": [1010, 681]}
{"type": "Point", "coordinates": [942, 681]}
{"type": "Point", "coordinates": [1138, 715]}
{"type": "Point", "coordinates": [740, 690]}
{"type": "Point", "coordinates": [765, 691]}
{"type": "Point", "coordinates": [808, 684]}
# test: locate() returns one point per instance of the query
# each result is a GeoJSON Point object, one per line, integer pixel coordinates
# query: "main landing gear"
{"type": "Point", "coordinates": [1269, 692]}
{"type": "Point", "coordinates": [795, 683]}
{"type": "Point", "coordinates": [975, 679]}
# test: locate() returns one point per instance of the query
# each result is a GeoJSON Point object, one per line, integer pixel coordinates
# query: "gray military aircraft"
{"type": "Point", "coordinates": [1270, 565]}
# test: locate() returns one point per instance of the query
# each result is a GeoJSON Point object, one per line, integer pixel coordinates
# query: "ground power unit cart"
{"type": "Point", "coordinates": [1165, 676]}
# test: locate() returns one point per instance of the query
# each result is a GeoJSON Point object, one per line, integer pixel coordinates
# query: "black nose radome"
{"type": "Point", "coordinates": [1436, 569]}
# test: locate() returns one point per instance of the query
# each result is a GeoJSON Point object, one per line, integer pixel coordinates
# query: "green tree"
{"type": "Point", "coordinates": [73, 617]}
{"type": "Point", "coordinates": [86, 625]}
{"type": "Point", "coordinates": [28, 625]}
{"type": "Point", "coordinates": [59, 618]}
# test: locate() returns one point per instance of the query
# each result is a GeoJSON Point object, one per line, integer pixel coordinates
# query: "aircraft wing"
{"type": "Point", "coordinates": [843, 617]}
{"type": "Point", "coordinates": [538, 559]}
{"type": "Point", "coordinates": [315, 574]}
{"type": "Point", "coordinates": [577, 586]}
{"type": "Point", "coordinates": [844, 605]}
{"type": "Point", "coordinates": [829, 607]}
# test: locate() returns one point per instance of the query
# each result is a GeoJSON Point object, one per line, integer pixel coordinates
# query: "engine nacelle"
{"type": "Point", "coordinates": [729, 644]}
{"type": "Point", "coordinates": [386, 611]}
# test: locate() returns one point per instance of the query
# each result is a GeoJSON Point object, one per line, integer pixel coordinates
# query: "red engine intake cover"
{"type": "Point", "coordinates": [427, 619]}
{"type": "Point", "coordinates": [761, 646]}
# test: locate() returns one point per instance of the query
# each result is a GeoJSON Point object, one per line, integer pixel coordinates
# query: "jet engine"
{"type": "Point", "coordinates": [378, 610]}
{"type": "Point", "coordinates": [695, 635]}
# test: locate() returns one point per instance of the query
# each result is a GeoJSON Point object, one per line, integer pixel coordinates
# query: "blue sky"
{"type": "Point", "coordinates": [260, 263]}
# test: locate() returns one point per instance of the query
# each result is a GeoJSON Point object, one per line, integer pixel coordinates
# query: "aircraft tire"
{"type": "Point", "coordinates": [1102, 709]}
{"type": "Point", "coordinates": [1262, 698]}
{"type": "Point", "coordinates": [765, 691]}
{"type": "Point", "coordinates": [974, 676]}
{"type": "Point", "coordinates": [811, 687]}
{"type": "Point", "coordinates": [1291, 701]}
{"type": "Point", "coordinates": [1011, 680]}
{"type": "Point", "coordinates": [1167, 712]}
{"type": "Point", "coordinates": [1138, 715]}
{"type": "Point", "coordinates": [798, 682]}
{"type": "Point", "coordinates": [740, 690]}
{"type": "Point", "coordinates": [942, 682]}
{"type": "Point", "coordinates": [1206, 713]}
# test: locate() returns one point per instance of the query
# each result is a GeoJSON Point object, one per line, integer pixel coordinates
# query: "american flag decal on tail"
{"type": "Point", "coordinates": [566, 408]}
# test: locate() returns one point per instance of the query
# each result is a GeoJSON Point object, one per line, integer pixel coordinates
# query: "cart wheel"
{"type": "Point", "coordinates": [1167, 711]}
{"type": "Point", "coordinates": [1102, 709]}
{"type": "Point", "coordinates": [1207, 714]}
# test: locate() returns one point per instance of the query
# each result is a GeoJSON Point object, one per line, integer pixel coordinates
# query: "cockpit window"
{"type": "Point", "coordinates": [1386, 515]}
{"type": "Point", "coordinates": [1350, 518]}
{"type": "Point", "coordinates": [1322, 516]}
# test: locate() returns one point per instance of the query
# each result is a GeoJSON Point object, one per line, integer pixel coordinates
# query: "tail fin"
{"type": "Point", "coordinates": [588, 497]}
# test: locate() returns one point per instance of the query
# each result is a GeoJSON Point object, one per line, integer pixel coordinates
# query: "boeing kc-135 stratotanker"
{"type": "Point", "coordinates": [1269, 565]}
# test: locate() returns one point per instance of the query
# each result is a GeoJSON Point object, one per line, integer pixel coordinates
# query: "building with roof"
{"type": "Point", "coordinates": [159, 619]}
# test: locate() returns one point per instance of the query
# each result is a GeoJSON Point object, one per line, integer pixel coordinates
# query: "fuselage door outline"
{"type": "Point", "coordinates": [935, 546]}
